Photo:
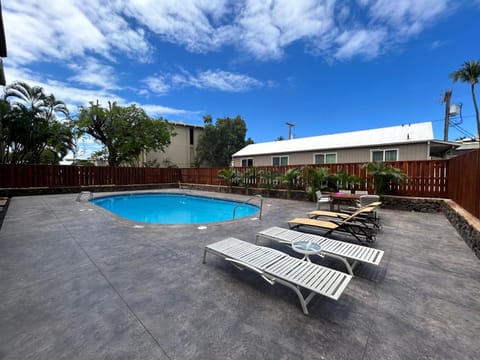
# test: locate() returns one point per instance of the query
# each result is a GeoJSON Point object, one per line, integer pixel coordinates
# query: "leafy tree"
{"type": "Point", "coordinates": [219, 142]}
{"type": "Point", "coordinates": [30, 131]}
{"type": "Point", "coordinates": [124, 131]}
{"type": "Point", "coordinates": [469, 73]}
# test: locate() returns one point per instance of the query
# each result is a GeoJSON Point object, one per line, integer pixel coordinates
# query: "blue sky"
{"type": "Point", "coordinates": [326, 66]}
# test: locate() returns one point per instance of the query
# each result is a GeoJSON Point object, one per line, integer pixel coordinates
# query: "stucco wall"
{"type": "Point", "coordinates": [180, 153]}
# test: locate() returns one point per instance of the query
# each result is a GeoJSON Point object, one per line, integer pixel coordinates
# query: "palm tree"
{"type": "Point", "coordinates": [54, 106]}
{"type": "Point", "coordinates": [34, 134]}
{"type": "Point", "coordinates": [31, 97]}
{"type": "Point", "coordinates": [469, 73]}
{"type": "Point", "coordinates": [384, 175]}
{"type": "Point", "coordinates": [229, 175]}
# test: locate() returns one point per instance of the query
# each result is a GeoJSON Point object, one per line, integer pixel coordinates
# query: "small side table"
{"type": "Point", "coordinates": [306, 248]}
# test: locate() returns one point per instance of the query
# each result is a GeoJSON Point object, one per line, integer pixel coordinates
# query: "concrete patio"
{"type": "Point", "coordinates": [77, 282]}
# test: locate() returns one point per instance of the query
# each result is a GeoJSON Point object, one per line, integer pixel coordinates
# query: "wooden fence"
{"type": "Point", "coordinates": [464, 181]}
{"type": "Point", "coordinates": [51, 176]}
{"type": "Point", "coordinates": [457, 178]}
{"type": "Point", "coordinates": [425, 178]}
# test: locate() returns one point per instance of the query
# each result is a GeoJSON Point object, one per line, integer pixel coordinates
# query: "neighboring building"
{"type": "Point", "coordinates": [182, 149]}
{"type": "Point", "coordinates": [464, 145]}
{"type": "Point", "coordinates": [396, 143]}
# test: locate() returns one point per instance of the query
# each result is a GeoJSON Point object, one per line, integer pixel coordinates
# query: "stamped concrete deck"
{"type": "Point", "coordinates": [79, 283]}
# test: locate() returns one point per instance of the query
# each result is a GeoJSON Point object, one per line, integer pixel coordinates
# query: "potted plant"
{"type": "Point", "coordinates": [229, 176]}
{"type": "Point", "coordinates": [269, 179]}
{"type": "Point", "coordinates": [291, 180]}
{"type": "Point", "coordinates": [384, 175]}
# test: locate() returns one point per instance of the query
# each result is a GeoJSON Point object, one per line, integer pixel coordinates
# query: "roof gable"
{"type": "Point", "coordinates": [409, 133]}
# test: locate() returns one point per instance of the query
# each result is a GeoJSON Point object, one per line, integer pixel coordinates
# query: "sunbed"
{"type": "Point", "coordinates": [361, 231]}
{"type": "Point", "coordinates": [277, 267]}
{"type": "Point", "coordinates": [368, 216]}
{"type": "Point", "coordinates": [350, 254]}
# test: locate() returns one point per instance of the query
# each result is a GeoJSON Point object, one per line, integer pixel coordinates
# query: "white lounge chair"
{"type": "Point", "coordinates": [321, 198]}
{"type": "Point", "coordinates": [349, 254]}
{"type": "Point", "coordinates": [277, 267]}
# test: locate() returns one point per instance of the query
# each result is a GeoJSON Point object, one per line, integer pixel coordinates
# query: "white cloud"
{"type": "Point", "coordinates": [268, 27]}
{"type": "Point", "coordinates": [359, 42]}
{"type": "Point", "coordinates": [94, 74]}
{"type": "Point", "coordinates": [407, 17]}
{"type": "Point", "coordinates": [165, 111]}
{"type": "Point", "coordinates": [75, 97]}
{"type": "Point", "coordinates": [42, 30]}
{"type": "Point", "coordinates": [259, 29]}
{"type": "Point", "coordinates": [210, 80]}
{"type": "Point", "coordinates": [193, 24]}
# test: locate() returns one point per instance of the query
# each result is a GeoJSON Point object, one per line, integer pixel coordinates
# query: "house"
{"type": "Point", "coordinates": [182, 149]}
{"type": "Point", "coordinates": [465, 145]}
{"type": "Point", "coordinates": [395, 143]}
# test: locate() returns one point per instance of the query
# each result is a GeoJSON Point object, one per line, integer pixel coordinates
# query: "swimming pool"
{"type": "Point", "coordinates": [174, 208]}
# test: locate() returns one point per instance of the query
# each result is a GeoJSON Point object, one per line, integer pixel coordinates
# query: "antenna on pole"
{"type": "Point", "coordinates": [290, 135]}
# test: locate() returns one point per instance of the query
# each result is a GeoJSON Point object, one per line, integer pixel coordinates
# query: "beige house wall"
{"type": "Point", "coordinates": [181, 152]}
{"type": "Point", "coordinates": [406, 152]}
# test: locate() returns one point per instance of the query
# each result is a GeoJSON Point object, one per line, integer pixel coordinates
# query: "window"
{"type": "Point", "coordinates": [384, 155]}
{"type": "Point", "coordinates": [247, 162]}
{"type": "Point", "coordinates": [325, 158]}
{"type": "Point", "coordinates": [279, 160]}
{"type": "Point", "coordinates": [191, 136]}
{"type": "Point", "coordinates": [391, 155]}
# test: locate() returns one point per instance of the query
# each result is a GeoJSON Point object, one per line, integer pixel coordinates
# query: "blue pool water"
{"type": "Point", "coordinates": [174, 208]}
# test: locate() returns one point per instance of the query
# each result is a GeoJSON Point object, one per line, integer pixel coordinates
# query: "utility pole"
{"type": "Point", "coordinates": [446, 99]}
{"type": "Point", "coordinates": [290, 135]}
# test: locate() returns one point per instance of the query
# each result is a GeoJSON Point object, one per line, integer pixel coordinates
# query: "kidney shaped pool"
{"type": "Point", "coordinates": [174, 208]}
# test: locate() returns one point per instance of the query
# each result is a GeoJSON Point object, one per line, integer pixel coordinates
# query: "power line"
{"type": "Point", "coordinates": [463, 131]}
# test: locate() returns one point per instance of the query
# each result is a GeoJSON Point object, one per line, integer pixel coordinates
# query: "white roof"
{"type": "Point", "coordinates": [409, 133]}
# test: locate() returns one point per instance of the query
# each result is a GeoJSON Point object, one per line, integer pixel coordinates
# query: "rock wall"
{"type": "Point", "coordinates": [466, 224]}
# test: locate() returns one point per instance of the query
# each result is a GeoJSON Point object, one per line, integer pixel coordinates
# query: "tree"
{"type": "Point", "coordinates": [124, 131]}
{"type": "Point", "coordinates": [469, 73]}
{"type": "Point", "coordinates": [219, 142]}
{"type": "Point", "coordinates": [30, 131]}
{"type": "Point", "coordinates": [22, 94]}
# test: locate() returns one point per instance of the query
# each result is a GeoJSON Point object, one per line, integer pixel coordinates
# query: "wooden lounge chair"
{"type": "Point", "coordinates": [349, 225]}
{"type": "Point", "coordinates": [277, 267]}
{"type": "Point", "coordinates": [366, 217]}
{"type": "Point", "coordinates": [350, 254]}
